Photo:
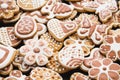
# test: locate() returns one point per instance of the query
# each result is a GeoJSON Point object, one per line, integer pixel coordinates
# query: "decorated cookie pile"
{"type": "Point", "coordinates": [59, 40]}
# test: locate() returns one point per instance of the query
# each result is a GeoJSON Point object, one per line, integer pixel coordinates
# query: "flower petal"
{"type": "Point", "coordinates": [42, 43]}
{"type": "Point", "coordinates": [104, 48]}
{"type": "Point", "coordinates": [113, 75]}
{"type": "Point", "coordinates": [115, 67]}
{"type": "Point", "coordinates": [96, 63]}
{"type": "Point", "coordinates": [93, 72]}
{"type": "Point", "coordinates": [112, 55]}
{"type": "Point", "coordinates": [30, 42]}
{"type": "Point", "coordinates": [119, 54]}
{"type": "Point", "coordinates": [25, 49]}
{"type": "Point", "coordinates": [47, 52]}
{"type": "Point", "coordinates": [107, 61]}
{"type": "Point", "coordinates": [103, 76]}
{"type": "Point", "coordinates": [117, 38]}
{"type": "Point", "coordinates": [108, 39]}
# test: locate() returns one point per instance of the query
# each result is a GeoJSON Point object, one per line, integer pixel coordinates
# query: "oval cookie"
{"type": "Point", "coordinates": [25, 28]}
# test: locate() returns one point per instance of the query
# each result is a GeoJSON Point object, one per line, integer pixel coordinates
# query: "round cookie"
{"type": "Point", "coordinates": [25, 28]}
{"type": "Point", "coordinates": [42, 73]}
{"type": "Point", "coordinates": [71, 56]}
{"type": "Point", "coordinates": [8, 37]}
{"type": "Point", "coordinates": [79, 76]}
{"type": "Point", "coordinates": [55, 65]}
{"type": "Point", "coordinates": [31, 4]}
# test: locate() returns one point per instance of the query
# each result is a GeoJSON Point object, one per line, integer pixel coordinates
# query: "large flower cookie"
{"type": "Point", "coordinates": [56, 9]}
{"type": "Point", "coordinates": [110, 47]}
{"type": "Point", "coordinates": [90, 28]}
{"type": "Point", "coordinates": [36, 51]}
{"type": "Point", "coordinates": [8, 8]}
{"type": "Point", "coordinates": [104, 69]}
{"type": "Point", "coordinates": [42, 73]}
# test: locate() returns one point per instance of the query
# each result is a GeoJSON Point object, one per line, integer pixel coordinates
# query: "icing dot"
{"type": "Point", "coordinates": [4, 6]}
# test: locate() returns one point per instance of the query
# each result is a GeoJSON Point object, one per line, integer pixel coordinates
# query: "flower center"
{"type": "Point", "coordinates": [104, 68]}
{"type": "Point", "coordinates": [36, 50]}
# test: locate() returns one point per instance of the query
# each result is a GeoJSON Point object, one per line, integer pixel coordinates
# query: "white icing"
{"type": "Point", "coordinates": [2, 53]}
{"type": "Point", "coordinates": [4, 5]}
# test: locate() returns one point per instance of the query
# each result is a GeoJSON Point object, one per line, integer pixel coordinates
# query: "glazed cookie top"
{"type": "Point", "coordinates": [31, 4]}
{"type": "Point", "coordinates": [42, 73]}
{"type": "Point", "coordinates": [104, 69]}
{"type": "Point", "coordinates": [8, 8]}
{"type": "Point", "coordinates": [7, 55]}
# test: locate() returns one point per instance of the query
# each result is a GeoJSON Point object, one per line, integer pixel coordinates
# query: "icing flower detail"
{"type": "Point", "coordinates": [104, 69]}
{"type": "Point", "coordinates": [110, 47]}
{"type": "Point", "coordinates": [36, 51]}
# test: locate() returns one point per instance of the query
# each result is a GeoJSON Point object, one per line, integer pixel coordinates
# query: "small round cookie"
{"type": "Point", "coordinates": [31, 4]}
{"type": "Point", "coordinates": [79, 76]}
{"type": "Point", "coordinates": [8, 37]}
{"type": "Point", "coordinates": [42, 73]}
{"type": "Point", "coordinates": [55, 65]}
{"type": "Point", "coordinates": [6, 70]}
{"type": "Point", "coordinates": [104, 69]}
{"type": "Point", "coordinates": [52, 43]}
{"type": "Point", "coordinates": [71, 56]}
{"type": "Point", "coordinates": [61, 29]}
{"type": "Point", "coordinates": [7, 54]}
{"type": "Point", "coordinates": [25, 28]}
{"type": "Point", "coordinates": [37, 16]}
{"type": "Point", "coordinates": [17, 75]}
{"type": "Point", "coordinates": [94, 54]}
{"type": "Point", "coordinates": [15, 18]}
{"type": "Point", "coordinates": [57, 9]}
{"type": "Point", "coordinates": [19, 63]}
{"type": "Point", "coordinates": [8, 9]}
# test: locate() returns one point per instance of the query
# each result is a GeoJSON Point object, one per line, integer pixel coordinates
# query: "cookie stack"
{"type": "Point", "coordinates": [47, 39]}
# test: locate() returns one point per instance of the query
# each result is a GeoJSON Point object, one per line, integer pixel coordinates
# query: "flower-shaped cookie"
{"type": "Point", "coordinates": [36, 51]}
{"type": "Point", "coordinates": [8, 8]}
{"type": "Point", "coordinates": [111, 47]}
{"type": "Point", "coordinates": [104, 69]}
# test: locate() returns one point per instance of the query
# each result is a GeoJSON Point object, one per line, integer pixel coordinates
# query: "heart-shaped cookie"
{"type": "Point", "coordinates": [61, 29]}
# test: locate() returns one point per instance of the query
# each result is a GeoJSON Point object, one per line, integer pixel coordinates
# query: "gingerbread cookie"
{"type": "Point", "coordinates": [8, 9]}
{"type": "Point", "coordinates": [31, 4]}
{"type": "Point", "coordinates": [94, 54]}
{"type": "Point", "coordinates": [86, 45]}
{"type": "Point", "coordinates": [17, 75]}
{"type": "Point", "coordinates": [79, 76]}
{"type": "Point", "coordinates": [104, 69]}
{"type": "Point", "coordinates": [61, 29]}
{"type": "Point", "coordinates": [21, 65]}
{"type": "Point", "coordinates": [71, 56]}
{"type": "Point", "coordinates": [42, 73]}
{"type": "Point", "coordinates": [36, 51]}
{"type": "Point", "coordinates": [110, 47]}
{"type": "Point", "coordinates": [37, 16]}
{"type": "Point", "coordinates": [52, 43]}
{"type": "Point", "coordinates": [6, 70]}
{"type": "Point", "coordinates": [55, 65]}
{"type": "Point", "coordinates": [56, 9]}
{"type": "Point", "coordinates": [15, 18]}
{"type": "Point", "coordinates": [92, 29]}
{"type": "Point", "coordinates": [25, 28]}
{"type": "Point", "coordinates": [7, 55]}
{"type": "Point", "coordinates": [8, 37]}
